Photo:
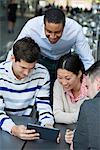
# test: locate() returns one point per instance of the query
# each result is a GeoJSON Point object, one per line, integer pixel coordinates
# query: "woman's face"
{"type": "Point", "coordinates": [68, 79]}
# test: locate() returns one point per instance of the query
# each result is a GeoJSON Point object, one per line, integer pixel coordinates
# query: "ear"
{"type": "Point", "coordinates": [12, 58]}
{"type": "Point", "coordinates": [98, 83]}
{"type": "Point", "coordinates": [80, 74]}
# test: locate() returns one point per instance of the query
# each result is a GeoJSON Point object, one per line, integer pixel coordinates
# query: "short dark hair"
{"type": "Point", "coordinates": [54, 15]}
{"type": "Point", "coordinates": [71, 62]}
{"type": "Point", "coordinates": [26, 49]}
{"type": "Point", "coordinates": [94, 70]}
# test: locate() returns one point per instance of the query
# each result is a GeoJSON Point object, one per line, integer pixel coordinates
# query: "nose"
{"type": "Point", "coordinates": [26, 72]}
{"type": "Point", "coordinates": [64, 82]}
{"type": "Point", "coordinates": [52, 35]}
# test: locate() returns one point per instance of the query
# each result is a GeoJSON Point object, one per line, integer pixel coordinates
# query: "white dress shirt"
{"type": "Point", "coordinates": [72, 37]}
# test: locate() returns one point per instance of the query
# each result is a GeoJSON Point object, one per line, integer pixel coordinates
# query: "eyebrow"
{"type": "Point", "coordinates": [28, 68]}
{"type": "Point", "coordinates": [65, 76]}
{"type": "Point", "coordinates": [51, 31]}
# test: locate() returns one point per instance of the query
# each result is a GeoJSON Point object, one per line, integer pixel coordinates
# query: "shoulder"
{"type": "Point", "coordinates": [90, 110]}
{"type": "Point", "coordinates": [38, 65]}
{"type": "Point", "coordinates": [86, 105]}
{"type": "Point", "coordinates": [56, 83]}
{"type": "Point", "coordinates": [40, 72]}
{"type": "Point", "coordinates": [71, 23]}
{"type": "Point", "coordinates": [36, 20]}
{"type": "Point", "coordinates": [58, 86]}
{"type": "Point", "coordinates": [41, 69]}
{"type": "Point", "coordinates": [4, 65]}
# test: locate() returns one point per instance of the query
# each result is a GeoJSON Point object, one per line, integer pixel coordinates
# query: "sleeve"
{"type": "Point", "coordinates": [83, 49]}
{"type": "Point", "coordinates": [6, 122]}
{"type": "Point", "coordinates": [26, 31]}
{"type": "Point", "coordinates": [43, 102]}
{"type": "Point", "coordinates": [80, 140]}
{"type": "Point", "coordinates": [60, 115]}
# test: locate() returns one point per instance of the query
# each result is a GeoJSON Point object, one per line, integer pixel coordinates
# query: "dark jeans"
{"type": "Point", "coordinates": [51, 65]}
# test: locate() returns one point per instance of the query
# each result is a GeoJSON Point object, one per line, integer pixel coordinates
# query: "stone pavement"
{"type": "Point", "coordinates": [5, 37]}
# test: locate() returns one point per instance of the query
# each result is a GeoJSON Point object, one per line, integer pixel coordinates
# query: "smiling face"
{"type": "Point", "coordinates": [22, 69]}
{"type": "Point", "coordinates": [53, 31]}
{"type": "Point", "coordinates": [68, 79]}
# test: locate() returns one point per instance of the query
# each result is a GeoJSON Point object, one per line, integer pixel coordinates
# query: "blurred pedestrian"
{"type": "Point", "coordinates": [22, 7]}
{"type": "Point", "coordinates": [11, 14]}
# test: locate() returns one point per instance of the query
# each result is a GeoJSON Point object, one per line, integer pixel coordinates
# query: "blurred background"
{"type": "Point", "coordinates": [86, 12]}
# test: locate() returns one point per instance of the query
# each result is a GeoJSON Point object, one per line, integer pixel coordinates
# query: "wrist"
{"type": "Point", "coordinates": [13, 130]}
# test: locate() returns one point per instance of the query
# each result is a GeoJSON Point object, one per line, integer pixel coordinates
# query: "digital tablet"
{"type": "Point", "coordinates": [45, 133]}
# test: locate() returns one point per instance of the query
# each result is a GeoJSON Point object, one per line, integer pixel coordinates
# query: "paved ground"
{"type": "Point", "coordinates": [5, 37]}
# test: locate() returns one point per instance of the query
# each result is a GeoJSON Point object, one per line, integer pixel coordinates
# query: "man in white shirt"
{"type": "Point", "coordinates": [56, 35]}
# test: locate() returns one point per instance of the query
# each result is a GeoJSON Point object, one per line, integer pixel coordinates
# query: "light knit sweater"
{"type": "Point", "coordinates": [17, 97]}
{"type": "Point", "coordinates": [64, 110]}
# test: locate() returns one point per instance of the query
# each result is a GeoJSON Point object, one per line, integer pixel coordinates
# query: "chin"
{"type": "Point", "coordinates": [22, 77]}
{"type": "Point", "coordinates": [66, 89]}
{"type": "Point", "coordinates": [53, 42]}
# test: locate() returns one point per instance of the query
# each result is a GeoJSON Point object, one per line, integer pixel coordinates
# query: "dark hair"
{"type": "Point", "coordinates": [71, 62]}
{"type": "Point", "coordinates": [94, 70]}
{"type": "Point", "coordinates": [54, 15]}
{"type": "Point", "coordinates": [26, 49]}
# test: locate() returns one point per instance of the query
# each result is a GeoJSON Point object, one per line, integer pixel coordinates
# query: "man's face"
{"type": "Point", "coordinates": [22, 69]}
{"type": "Point", "coordinates": [53, 31]}
{"type": "Point", "coordinates": [92, 87]}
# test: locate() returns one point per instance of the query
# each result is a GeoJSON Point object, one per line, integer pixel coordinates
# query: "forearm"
{"type": "Point", "coordinates": [83, 49]}
{"type": "Point", "coordinates": [64, 117]}
{"type": "Point", "coordinates": [46, 118]}
{"type": "Point", "coordinates": [6, 123]}
{"type": "Point", "coordinates": [43, 102]}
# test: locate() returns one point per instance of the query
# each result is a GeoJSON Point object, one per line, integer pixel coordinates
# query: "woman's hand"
{"type": "Point", "coordinates": [69, 136]}
{"type": "Point", "coordinates": [58, 138]}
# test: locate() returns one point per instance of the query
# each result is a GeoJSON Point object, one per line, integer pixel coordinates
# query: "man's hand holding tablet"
{"type": "Point", "coordinates": [46, 132]}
